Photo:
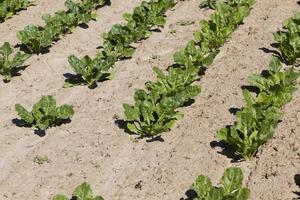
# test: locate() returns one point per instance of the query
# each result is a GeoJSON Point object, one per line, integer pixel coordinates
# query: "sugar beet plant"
{"type": "Point", "coordinates": [8, 63]}
{"type": "Point", "coordinates": [39, 38]}
{"type": "Point", "coordinates": [118, 41]}
{"type": "Point", "coordinates": [45, 113]}
{"type": "Point", "coordinates": [231, 187]}
{"type": "Point", "coordinates": [289, 39]}
{"type": "Point", "coordinates": [82, 192]}
{"type": "Point", "coordinates": [257, 121]}
{"type": "Point", "coordinates": [10, 7]}
{"type": "Point", "coordinates": [154, 110]}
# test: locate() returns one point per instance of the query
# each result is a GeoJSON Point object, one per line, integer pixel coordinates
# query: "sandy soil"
{"type": "Point", "coordinates": [93, 148]}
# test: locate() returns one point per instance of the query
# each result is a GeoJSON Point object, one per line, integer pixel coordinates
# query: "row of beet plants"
{"type": "Point", "coordinates": [45, 113]}
{"type": "Point", "coordinates": [118, 42]}
{"type": "Point", "coordinates": [37, 39]}
{"type": "Point", "coordinates": [258, 119]}
{"type": "Point", "coordinates": [155, 110]}
{"type": "Point", "coordinates": [8, 8]}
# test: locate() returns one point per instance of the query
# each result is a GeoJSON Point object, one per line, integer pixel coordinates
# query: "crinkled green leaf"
{"type": "Point", "coordinates": [8, 62]}
{"type": "Point", "coordinates": [82, 192]}
{"type": "Point", "coordinates": [24, 114]}
{"type": "Point", "coordinates": [230, 187]}
{"type": "Point", "coordinates": [65, 112]}
{"type": "Point", "coordinates": [202, 186]}
{"type": "Point", "coordinates": [45, 113]}
{"type": "Point", "coordinates": [232, 180]}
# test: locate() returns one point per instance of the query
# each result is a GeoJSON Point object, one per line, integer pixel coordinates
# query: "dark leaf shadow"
{"type": "Point", "coordinates": [202, 71]}
{"type": "Point", "coordinates": [297, 181]}
{"type": "Point", "coordinates": [41, 133]}
{"type": "Point", "coordinates": [20, 123]}
{"type": "Point", "coordinates": [275, 45]}
{"type": "Point", "coordinates": [108, 2]}
{"type": "Point", "coordinates": [234, 110]}
{"type": "Point", "coordinates": [275, 53]}
{"type": "Point", "coordinates": [157, 30]}
{"type": "Point", "coordinates": [266, 50]}
{"type": "Point", "coordinates": [250, 88]}
{"type": "Point", "coordinates": [226, 151]}
{"type": "Point", "coordinates": [190, 194]}
{"type": "Point", "coordinates": [83, 26]}
{"type": "Point", "coordinates": [64, 121]}
{"type": "Point", "coordinates": [189, 102]}
{"type": "Point", "coordinates": [16, 71]}
{"type": "Point", "coordinates": [155, 139]}
{"type": "Point", "coordinates": [24, 48]}
{"type": "Point", "coordinates": [122, 124]}
{"type": "Point", "coordinates": [75, 79]}
{"type": "Point", "coordinates": [99, 47]}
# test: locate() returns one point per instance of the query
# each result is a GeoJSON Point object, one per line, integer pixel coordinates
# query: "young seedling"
{"type": "Point", "coordinates": [8, 63]}
{"type": "Point", "coordinates": [82, 192]}
{"type": "Point", "coordinates": [231, 187]}
{"type": "Point", "coordinates": [41, 159]}
{"type": "Point", "coordinates": [45, 114]}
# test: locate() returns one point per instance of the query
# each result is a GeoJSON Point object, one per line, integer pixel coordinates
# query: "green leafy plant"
{"type": "Point", "coordinates": [231, 187]}
{"type": "Point", "coordinates": [257, 121]}
{"type": "Point", "coordinates": [176, 80]}
{"type": "Point", "coordinates": [155, 111]}
{"type": "Point", "coordinates": [255, 125]}
{"type": "Point", "coordinates": [82, 192]}
{"type": "Point", "coordinates": [61, 22]}
{"type": "Point", "coordinates": [36, 38]}
{"type": "Point", "coordinates": [149, 14]}
{"type": "Point", "coordinates": [10, 7]}
{"type": "Point", "coordinates": [289, 39]}
{"type": "Point", "coordinates": [118, 41]}
{"type": "Point", "coordinates": [9, 63]}
{"type": "Point", "coordinates": [45, 113]}
{"type": "Point", "coordinates": [213, 34]}
{"type": "Point", "coordinates": [90, 70]}
{"type": "Point", "coordinates": [277, 87]}
{"type": "Point", "coordinates": [39, 38]}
